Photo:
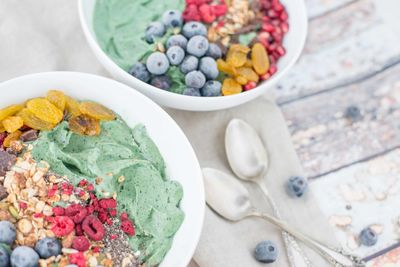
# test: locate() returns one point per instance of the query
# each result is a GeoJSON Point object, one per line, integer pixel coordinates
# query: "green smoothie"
{"type": "Point", "coordinates": [131, 166]}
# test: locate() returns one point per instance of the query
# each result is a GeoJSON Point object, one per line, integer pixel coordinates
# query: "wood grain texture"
{"type": "Point", "coordinates": [326, 140]}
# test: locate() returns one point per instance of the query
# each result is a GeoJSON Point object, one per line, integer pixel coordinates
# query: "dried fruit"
{"type": "Point", "coordinates": [236, 58]}
{"type": "Point", "coordinates": [96, 111]}
{"type": "Point", "coordinates": [34, 122]}
{"type": "Point", "coordinates": [128, 228]}
{"type": "Point", "coordinates": [93, 228]}
{"type": "Point", "coordinates": [259, 58]}
{"type": "Point", "coordinates": [241, 79]}
{"type": "Point", "coordinates": [11, 137]}
{"type": "Point", "coordinates": [72, 106]}
{"type": "Point", "coordinates": [58, 211]}
{"type": "Point", "coordinates": [29, 135]}
{"type": "Point", "coordinates": [80, 243]}
{"type": "Point", "coordinates": [62, 226]}
{"type": "Point", "coordinates": [44, 110]}
{"type": "Point", "coordinates": [84, 125]}
{"type": "Point", "coordinates": [248, 73]}
{"type": "Point", "coordinates": [226, 68]}
{"type": "Point", "coordinates": [9, 111]}
{"type": "Point", "coordinates": [76, 212]}
{"type": "Point", "coordinates": [239, 48]}
{"type": "Point", "coordinates": [12, 123]}
{"type": "Point", "coordinates": [57, 98]}
{"type": "Point", "coordinates": [230, 87]}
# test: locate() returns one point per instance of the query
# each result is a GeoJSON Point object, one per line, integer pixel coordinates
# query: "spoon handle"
{"type": "Point", "coordinates": [295, 254]}
{"type": "Point", "coordinates": [336, 257]}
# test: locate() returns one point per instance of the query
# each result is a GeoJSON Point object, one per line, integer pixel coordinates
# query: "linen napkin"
{"type": "Point", "coordinates": [232, 244]}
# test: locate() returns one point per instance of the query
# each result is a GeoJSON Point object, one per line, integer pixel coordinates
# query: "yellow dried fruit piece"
{"type": "Point", "coordinates": [236, 58]}
{"type": "Point", "coordinates": [34, 122]}
{"type": "Point", "coordinates": [260, 59]}
{"type": "Point", "coordinates": [241, 79]}
{"type": "Point", "coordinates": [9, 111]}
{"type": "Point", "coordinates": [226, 68]}
{"type": "Point", "coordinates": [230, 87]}
{"type": "Point", "coordinates": [44, 110]}
{"type": "Point", "coordinates": [84, 125]}
{"type": "Point", "coordinates": [96, 111]}
{"type": "Point", "coordinates": [57, 98]}
{"type": "Point", "coordinates": [13, 123]}
{"type": "Point", "coordinates": [248, 73]}
{"type": "Point", "coordinates": [11, 137]}
{"type": "Point", "coordinates": [239, 48]}
{"type": "Point", "coordinates": [248, 63]}
{"type": "Point", "coordinates": [72, 106]}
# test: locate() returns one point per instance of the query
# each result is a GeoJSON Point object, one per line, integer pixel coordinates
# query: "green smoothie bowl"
{"type": "Point", "coordinates": [89, 176]}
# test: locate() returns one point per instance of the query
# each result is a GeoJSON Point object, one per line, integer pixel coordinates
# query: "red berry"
{"type": "Point", "coordinates": [3, 136]}
{"type": "Point", "coordinates": [128, 227]}
{"type": "Point", "coordinates": [265, 76]}
{"type": "Point", "coordinates": [103, 216]}
{"type": "Point", "coordinates": [78, 230]}
{"type": "Point", "coordinates": [82, 183]}
{"type": "Point", "coordinates": [90, 187]}
{"type": "Point", "coordinates": [191, 13]}
{"type": "Point", "coordinates": [124, 216]}
{"type": "Point", "coordinates": [113, 236]}
{"type": "Point", "coordinates": [108, 203]}
{"type": "Point", "coordinates": [76, 212]}
{"type": "Point", "coordinates": [90, 209]}
{"type": "Point", "coordinates": [219, 10]}
{"type": "Point", "coordinates": [96, 249]}
{"type": "Point", "coordinates": [38, 215]}
{"type": "Point", "coordinates": [58, 211]}
{"type": "Point", "coordinates": [78, 259]}
{"type": "Point", "coordinates": [272, 69]}
{"type": "Point", "coordinates": [93, 228]}
{"type": "Point", "coordinates": [206, 13]}
{"type": "Point", "coordinates": [80, 243]}
{"type": "Point", "coordinates": [113, 212]}
{"type": "Point", "coordinates": [62, 226]}
{"type": "Point", "coordinates": [250, 85]}
{"type": "Point", "coordinates": [23, 205]}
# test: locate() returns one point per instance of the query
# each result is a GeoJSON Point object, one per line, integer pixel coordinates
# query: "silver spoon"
{"type": "Point", "coordinates": [248, 159]}
{"type": "Point", "coordinates": [230, 199]}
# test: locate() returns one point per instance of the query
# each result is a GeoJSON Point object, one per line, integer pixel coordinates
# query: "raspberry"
{"type": "Point", "coordinates": [82, 183]}
{"type": "Point", "coordinates": [62, 226]}
{"type": "Point", "coordinates": [113, 212]}
{"type": "Point", "coordinates": [96, 249]}
{"type": "Point", "coordinates": [90, 187]}
{"type": "Point", "coordinates": [80, 243]}
{"type": "Point", "coordinates": [78, 230]}
{"type": "Point", "coordinates": [90, 209]}
{"type": "Point", "coordinates": [23, 205]}
{"type": "Point", "coordinates": [124, 216]}
{"type": "Point", "coordinates": [76, 212]}
{"type": "Point", "coordinates": [113, 236]}
{"type": "Point", "coordinates": [93, 228]}
{"type": "Point", "coordinates": [58, 211]}
{"type": "Point", "coordinates": [191, 13]}
{"type": "Point", "coordinates": [128, 228]}
{"type": "Point", "coordinates": [219, 10]}
{"type": "Point", "coordinates": [206, 13]}
{"type": "Point", "coordinates": [108, 203]}
{"type": "Point", "coordinates": [52, 191]}
{"type": "Point", "coordinates": [38, 215]}
{"type": "Point", "coordinates": [78, 259]}
{"type": "Point", "coordinates": [103, 216]}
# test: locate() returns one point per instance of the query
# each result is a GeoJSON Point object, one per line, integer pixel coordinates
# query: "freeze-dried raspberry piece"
{"type": "Point", "coordinates": [112, 212]}
{"type": "Point", "coordinates": [62, 225]}
{"type": "Point", "coordinates": [108, 203]}
{"type": "Point", "coordinates": [207, 13]}
{"type": "Point", "coordinates": [81, 243]}
{"type": "Point", "coordinates": [128, 228]}
{"type": "Point", "coordinates": [78, 259]}
{"type": "Point", "coordinates": [124, 216]}
{"type": "Point", "coordinates": [103, 216]}
{"type": "Point", "coordinates": [93, 228]}
{"type": "Point", "coordinates": [90, 209]}
{"type": "Point", "coordinates": [76, 212]}
{"type": "Point", "coordinates": [58, 211]}
{"type": "Point", "coordinates": [82, 183]}
{"type": "Point", "coordinates": [191, 13]}
{"type": "Point", "coordinates": [219, 10]}
{"type": "Point", "coordinates": [78, 230]}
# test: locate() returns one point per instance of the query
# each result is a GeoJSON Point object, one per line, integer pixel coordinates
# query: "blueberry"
{"type": "Point", "coordinates": [175, 55]}
{"type": "Point", "coordinates": [7, 232]}
{"type": "Point", "coordinates": [368, 237]}
{"type": "Point", "coordinates": [209, 68]}
{"type": "Point", "coordinates": [157, 63]}
{"type": "Point", "coordinates": [172, 18]}
{"type": "Point", "coordinates": [4, 257]}
{"type": "Point", "coordinates": [194, 28]}
{"type": "Point", "coordinates": [48, 247]}
{"type": "Point", "coordinates": [154, 30]}
{"type": "Point", "coordinates": [178, 40]}
{"type": "Point", "coordinates": [24, 257]}
{"type": "Point", "coordinates": [191, 92]}
{"type": "Point", "coordinates": [211, 88]}
{"type": "Point", "coordinates": [296, 186]}
{"type": "Point", "coordinates": [189, 63]}
{"type": "Point", "coordinates": [195, 79]}
{"type": "Point", "coordinates": [162, 82]}
{"type": "Point", "coordinates": [197, 46]}
{"type": "Point", "coordinates": [214, 51]}
{"type": "Point", "coordinates": [139, 70]}
{"type": "Point", "coordinates": [266, 252]}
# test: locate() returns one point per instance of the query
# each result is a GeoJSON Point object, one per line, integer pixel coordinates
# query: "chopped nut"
{"type": "Point", "coordinates": [25, 226]}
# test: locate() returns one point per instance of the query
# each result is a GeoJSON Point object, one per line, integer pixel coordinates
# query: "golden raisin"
{"type": "Point", "coordinates": [13, 123]}
{"type": "Point", "coordinates": [226, 68]}
{"type": "Point", "coordinates": [96, 111]}
{"type": "Point", "coordinates": [230, 87]}
{"type": "Point", "coordinates": [236, 58]}
{"type": "Point", "coordinates": [260, 59]}
{"type": "Point", "coordinates": [248, 63]}
{"type": "Point", "coordinates": [44, 110]}
{"type": "Point", "coordinates": [34, 122]}
{"type": "Point", "coordinates": [84, 125]}
{"type": "Point", "coordinates": [9, 111]}
{"type": "Point", "coordinates": [57, 98]}
{"type": "Point", "coordinates": [248, 73]}
{"type": "Point", "coordinates": [241, 79]}
{"type": "Point", "coordinates": [72, 106]}
{"type": "Point", "coordinates": [240, 48]}
{"type": "Point", "coordinates": [11, 137]}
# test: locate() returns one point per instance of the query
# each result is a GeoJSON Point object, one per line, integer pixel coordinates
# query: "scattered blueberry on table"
{"type": "Point", "coordinates": [368, 237]}
{"type": "Point", "coordinates": [266, 252]}
{"type": "Point", "coordinates": [296, 186]}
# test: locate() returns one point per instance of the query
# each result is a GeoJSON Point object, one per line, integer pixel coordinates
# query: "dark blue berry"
{"type": "Point", "coordinates": [266, 252]}
{"type": "Point", "coordinates": [195, 79]}
{"type": "Point", "coordinates": [194, 28]}
{"type": "Point", "coordinates": [24, 257]}
{"type": "Point", "coordinates": [48, 247]}
{"type": "Point", "coordinates": [353, 113]}
{"type": "Point", "coordinates": [154, 30]}
{"type": "Point", "coordinates": [178, 40]}
{"type": "Point", "coordinates": [211, 88]}
{"type": "Point", "coordinates": [7, 232]}
{"type": "Point", "coordinates": [162, 82]}
{"type": "Point", "coordinates": [368, 237]}
{"type": "Point", "coordinates": [189, 63]}
{"type": "Point", "coordinates": [214, 51]}
{"type": "Point", "coordinates": [175, 55]}
{"type": "Point", "coordinates": [4, 257]}
{"type": "Point", "coordinates": [172, 18]}
{"type": "Point", "coordinates": [197, 46]}
{"type": "Point", "coordinates": [191, 92]}
{"type": "Point", "coordinates": [157, 63]}
{"type": "Point", "coordinates": [297, 185]}
{"type": "Point", "coordinates": [139, 70]}
{"type": "Point", "coordinates": [209, 68]}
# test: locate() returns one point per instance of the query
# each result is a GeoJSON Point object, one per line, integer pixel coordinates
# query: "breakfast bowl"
{"type": "Point", "coordinates": [291, 44]}
{"type": "Point", "coordinates": [106, 159]}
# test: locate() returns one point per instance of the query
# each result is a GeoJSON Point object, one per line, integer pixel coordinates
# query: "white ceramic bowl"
{"type": "Point", "coordinates": [181, 161]}
{"type": "Point", "coordinates": [293, 42]}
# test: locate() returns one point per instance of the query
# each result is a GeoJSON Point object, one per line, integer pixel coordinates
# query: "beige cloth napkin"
{"type": "Point", "coordinates": [45, 35]}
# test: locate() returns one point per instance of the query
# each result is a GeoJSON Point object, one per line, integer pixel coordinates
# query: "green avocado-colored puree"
{"type": "Point", "coordinates": [150, 199]}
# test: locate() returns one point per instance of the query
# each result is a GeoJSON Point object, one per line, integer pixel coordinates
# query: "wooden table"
{"type": "Point", "coordinates": [342, 105]}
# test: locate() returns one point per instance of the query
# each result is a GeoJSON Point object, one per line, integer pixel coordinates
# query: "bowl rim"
{"type": "Point", "coordinates": [184, 140]}
{"type": "Point", "coordinates": [179, 97]}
